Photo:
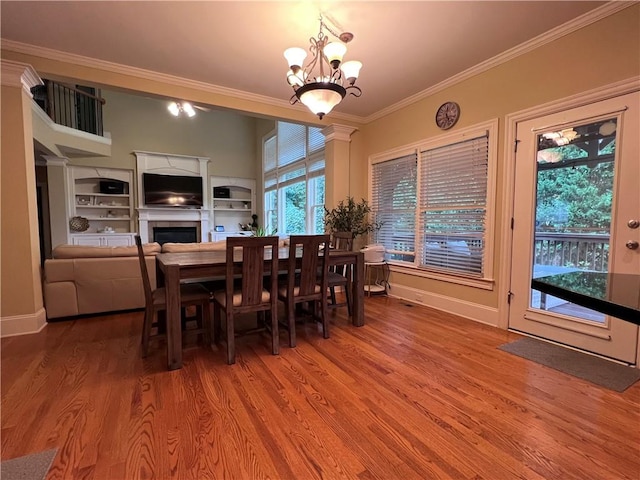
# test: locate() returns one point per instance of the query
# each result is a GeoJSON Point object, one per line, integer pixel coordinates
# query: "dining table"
{"type": "Point", "coordinates": [174, 268]}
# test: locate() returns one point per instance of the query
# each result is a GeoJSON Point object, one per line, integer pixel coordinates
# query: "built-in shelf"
{"type": "Point", "coordinates": [233, 209]}
{"type": "Point", "coordinates": [110, 215]}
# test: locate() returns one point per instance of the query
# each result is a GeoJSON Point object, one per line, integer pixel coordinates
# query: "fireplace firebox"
{"type": "Point", "coordinates": [163, 235]}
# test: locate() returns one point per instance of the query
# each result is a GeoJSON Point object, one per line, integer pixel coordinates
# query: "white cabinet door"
{"type": "Point", "coordinates": [111, 240]}
{"type": "Point", "coordinates": [118, 240]}
{"type": "Point", "coordinates": [87, 240]}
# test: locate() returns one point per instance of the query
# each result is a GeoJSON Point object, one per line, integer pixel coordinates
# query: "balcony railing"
{"type": "Point", "coordinates": [579, 250]}
{"type": "Point", "coordinates": [72, 106]}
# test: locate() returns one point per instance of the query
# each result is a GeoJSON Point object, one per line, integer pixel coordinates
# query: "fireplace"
{"type": "Point", "coordinates": [163, 235]}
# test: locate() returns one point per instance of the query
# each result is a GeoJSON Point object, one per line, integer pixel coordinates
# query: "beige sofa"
{"type": "Point", "coordinates": [194, 247]}
{"type": "Point", "coordinates": [82, 280]}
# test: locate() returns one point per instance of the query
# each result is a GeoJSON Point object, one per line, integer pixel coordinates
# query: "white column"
{"type": "Point", "coordinates": [337, 163]}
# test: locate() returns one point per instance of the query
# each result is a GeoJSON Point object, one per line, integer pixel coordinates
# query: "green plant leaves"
{"type": "Point", "coordinates": [350, 217]}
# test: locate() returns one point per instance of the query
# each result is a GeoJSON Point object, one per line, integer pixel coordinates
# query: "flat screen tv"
{"type": "Point", "coordinates": [172, 190]}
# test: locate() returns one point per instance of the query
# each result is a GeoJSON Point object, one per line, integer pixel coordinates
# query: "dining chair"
{"type": "Point", "coordinates": [191, 294]}
{"type": "Point", "coordinates": [340, 275]}
{"type": "Point", "coordinates": [245, 289]}
{"type": "Point", "coordinates": [306, 282]}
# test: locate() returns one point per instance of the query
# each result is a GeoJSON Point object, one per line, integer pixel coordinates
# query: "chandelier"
{"type": "Point", "coordinates": [322, 83]}
{"type": "Point", "coordinates": [176, 108]}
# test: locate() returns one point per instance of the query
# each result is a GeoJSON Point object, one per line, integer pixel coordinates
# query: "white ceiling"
{"type": "Point", "coordinates": [406, 47]}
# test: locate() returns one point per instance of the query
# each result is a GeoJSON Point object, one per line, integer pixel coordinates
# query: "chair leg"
{"type": "Point", "coordinates": [324, 318]}
{"type": "Point", "coordinates": [183, 318]}
{"type": "Point", "coordinates": [291, 322]}
{"type": "Point", "coordinates": [275, 334]}
{"type": "Point", "coordinates": [231, 346]}
{"type": "Point", "coordinates": [216, 321]}
{"type": "Point", "coordinates": [332, 294]}
{"type": "Point", "coordinates": [146, 330]}
{"type": "Point", "coordinates": [347, 293]}
{"type": "Point", "coordinates": [205, 315]}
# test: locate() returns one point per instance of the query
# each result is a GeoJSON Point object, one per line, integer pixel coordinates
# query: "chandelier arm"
{"type": "Point", "coordinates": [293, 100]}
{"type": "Point", "coordinates": [355, 93]}
{"type": "Point", "coordinates": [316, 51]}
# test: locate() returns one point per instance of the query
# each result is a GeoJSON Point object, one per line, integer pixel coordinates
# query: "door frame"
{"type": "Point", "coordinates": [507, 178]}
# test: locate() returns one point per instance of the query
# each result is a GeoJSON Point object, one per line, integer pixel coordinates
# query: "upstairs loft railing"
{"type": "Point", "coordinates": [76, 107]}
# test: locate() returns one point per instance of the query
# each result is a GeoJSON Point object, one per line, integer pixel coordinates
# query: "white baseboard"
{"type": "Point", "coordinates": [462, 308]}
{"type": "Point", "coordinates": [23, 324]}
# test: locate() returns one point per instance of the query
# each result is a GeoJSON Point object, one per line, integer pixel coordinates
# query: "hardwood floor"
{"type": "Point", "coordinates": [414, 394]}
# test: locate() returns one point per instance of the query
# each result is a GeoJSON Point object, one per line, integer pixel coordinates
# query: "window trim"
{"type": "Point", "coordinates": [487, 281]}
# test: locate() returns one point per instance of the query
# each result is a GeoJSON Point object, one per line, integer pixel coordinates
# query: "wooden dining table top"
{"type": "Point", "coordinates": [186, 259]}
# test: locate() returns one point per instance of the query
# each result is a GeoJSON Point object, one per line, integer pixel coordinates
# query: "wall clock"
{"type": "Point", "coordinates": [447, 115]}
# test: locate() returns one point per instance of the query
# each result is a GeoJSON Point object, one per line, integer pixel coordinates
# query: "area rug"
{"type": "Point", "coordinates": [593, 369]}
{"type": "Point", "coordinates": [30, 467]}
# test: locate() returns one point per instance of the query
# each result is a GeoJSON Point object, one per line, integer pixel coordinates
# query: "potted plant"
{"type": "Point", "coordinates": [351, 217]}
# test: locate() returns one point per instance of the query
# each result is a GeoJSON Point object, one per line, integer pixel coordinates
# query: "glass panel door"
{"type": "Point", "coordinates": [575, 189]}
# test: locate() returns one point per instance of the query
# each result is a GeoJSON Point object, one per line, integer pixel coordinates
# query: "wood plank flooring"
{"type": "Point", "coordinates": [414, 394]}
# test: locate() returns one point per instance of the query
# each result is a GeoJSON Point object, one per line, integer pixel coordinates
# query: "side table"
{"type": "Point", "coordinates": [376, 277]}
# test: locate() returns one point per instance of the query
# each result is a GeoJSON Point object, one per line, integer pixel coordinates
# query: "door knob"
{"type": "Point", "coordinates": [632, 245]}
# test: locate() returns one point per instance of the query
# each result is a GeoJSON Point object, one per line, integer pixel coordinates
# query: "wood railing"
{"type": "Point", "coordinates": [72, 106]}
{"type": "Point", "coordinates": [581, 250]}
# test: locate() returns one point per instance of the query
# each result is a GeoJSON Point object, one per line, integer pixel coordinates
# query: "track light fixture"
{"type": "Point", "coordinates": [176, 108]}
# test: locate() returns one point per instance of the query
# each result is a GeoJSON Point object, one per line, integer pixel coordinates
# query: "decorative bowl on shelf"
{"type": "Point", "coordinates": [78, 224]}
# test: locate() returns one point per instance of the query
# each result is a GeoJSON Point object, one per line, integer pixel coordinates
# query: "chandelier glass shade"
{"type": "Point", "coordinates": [325, 80]}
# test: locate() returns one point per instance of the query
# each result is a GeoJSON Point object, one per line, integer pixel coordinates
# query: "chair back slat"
{"type": "Point", "coordinates": [313, 262]}
{"type": "Point", "coordinates": [343, 241]}
{"type": "Point", "coordinates": [252, 266]}
{"type": "Point", "coordinates": [146, 283]}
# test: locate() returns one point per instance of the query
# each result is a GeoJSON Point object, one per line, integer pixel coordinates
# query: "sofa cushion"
{"type": "Point", "coordinates": [169, 247]}
{"type": "Point", "coordinates": [108, 284]}
{"type": "Point", "coordinates": [83, 251]}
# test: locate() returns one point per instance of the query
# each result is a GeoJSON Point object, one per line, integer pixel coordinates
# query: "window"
{"type": "Point", "coordinates": [293, 164]}
{"type": "Point", "coordinates": [435, 200]}
{"type": "Point", "coordinates": [393, 193]}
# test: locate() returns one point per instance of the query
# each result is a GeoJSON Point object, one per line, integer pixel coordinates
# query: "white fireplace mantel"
{"type": "Point", "coordinates": [170, 215]}
{"type": "Point", "coordinates": [171, 164]}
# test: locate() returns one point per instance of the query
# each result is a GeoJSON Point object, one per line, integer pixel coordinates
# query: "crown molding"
{"type": "Point", "coordinates": [57, 55]}
{"type": "Point", "coordinates": [558, 32]}
{"type": "Point", "coordinates": [579, 22]}
{"type": "Point", "coordinates": [336, 131]}
{"type": "Point", "coordinates": [16, 74]}
{"type": "Point", "coordinates": [53, 161]}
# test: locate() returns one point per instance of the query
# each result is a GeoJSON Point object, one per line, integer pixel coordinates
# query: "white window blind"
{"type": "Point", "coordinates": [452, 206]}
{"type": "Point", "coordinates": [292, 141]}
{"type": "Point", "coordinates": [393, 193]}
{"type": "Point", "coordinates": [316, 139]}
{"type": "Point", "coordinates": [270, 158]}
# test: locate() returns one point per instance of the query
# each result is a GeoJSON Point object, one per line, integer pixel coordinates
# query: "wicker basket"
{"type": "Point", "coordinates": [78, 224]}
